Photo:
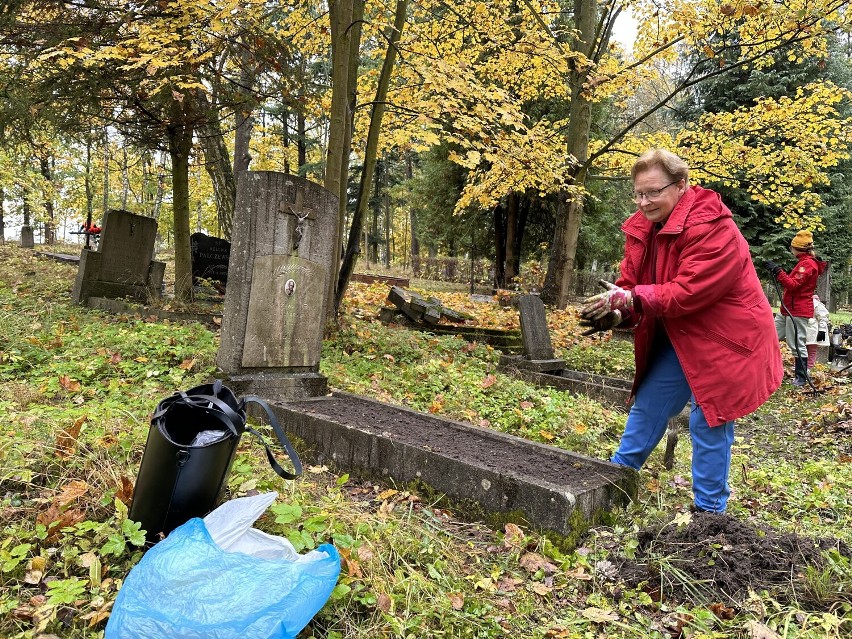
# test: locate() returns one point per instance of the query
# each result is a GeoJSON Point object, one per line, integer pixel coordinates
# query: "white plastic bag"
{"type": "Point", "coordinates": [219, 578]}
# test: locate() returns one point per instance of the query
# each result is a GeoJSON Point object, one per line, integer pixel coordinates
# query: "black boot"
{"type": "Point", "coordinates": [801, 372]}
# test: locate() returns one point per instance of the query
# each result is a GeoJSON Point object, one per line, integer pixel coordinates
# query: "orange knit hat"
{"type": "Point", "coordinates": [804, 241]}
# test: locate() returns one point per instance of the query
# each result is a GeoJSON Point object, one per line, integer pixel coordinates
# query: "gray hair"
{"type": "Point", "coordinates": [666, 160]}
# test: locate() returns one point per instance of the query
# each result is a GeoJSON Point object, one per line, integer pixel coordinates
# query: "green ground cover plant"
{"type": "Point", "coordinates": [77, 388]}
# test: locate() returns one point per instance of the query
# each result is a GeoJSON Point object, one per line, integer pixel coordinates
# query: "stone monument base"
{"type": "Point", "coordinates": [278, 386]}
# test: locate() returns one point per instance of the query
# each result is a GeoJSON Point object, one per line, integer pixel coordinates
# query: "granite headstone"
{"type": "Point", "coordinates": [209, 257]}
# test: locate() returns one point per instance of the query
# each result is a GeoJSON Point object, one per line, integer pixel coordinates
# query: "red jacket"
{"type": "Point", "coordinates": [708, 297]}
{"type": "Point", "coordinates": [800, 284]}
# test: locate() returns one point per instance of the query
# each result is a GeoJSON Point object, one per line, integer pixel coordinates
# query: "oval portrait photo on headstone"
{"type": "Point", "coordinates": [289, 286]}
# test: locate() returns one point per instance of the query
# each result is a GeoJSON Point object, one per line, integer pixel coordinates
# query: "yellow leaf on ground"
{"type": "Point", "coordinates": [599, 615]}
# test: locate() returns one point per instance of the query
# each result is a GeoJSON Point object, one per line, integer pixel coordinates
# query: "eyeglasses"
{"type": "Point", "coordinates": [651, 195]}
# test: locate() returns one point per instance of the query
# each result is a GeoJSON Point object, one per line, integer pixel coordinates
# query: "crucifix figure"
{"type": "Point", "coordinates": [301, 214]}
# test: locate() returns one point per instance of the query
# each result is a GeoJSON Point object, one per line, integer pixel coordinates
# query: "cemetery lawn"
{"type": "Point", "coordinates": [77, 388]}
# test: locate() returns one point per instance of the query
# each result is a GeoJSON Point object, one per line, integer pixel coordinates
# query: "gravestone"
{"type": "Point", "coordinates": [123, 264]}
{"type": "Point", "coordinates": [209, 257]}
{"type": "Point", "coordinates": [538, 349]}
{"type": "Point", "coordinates": [27, 237]}
{"type": "Point", "coordinates": [279, 281]}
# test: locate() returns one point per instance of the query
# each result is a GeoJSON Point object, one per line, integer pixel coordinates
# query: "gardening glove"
{"type": "Point", "coordinates": [820, 336]}
{"type": "Point", "coordinates": [608, 321]}
{"type": "Point", "coordinates": [774, 268]}
{"type": "Point", "coordinates": [614, 299]}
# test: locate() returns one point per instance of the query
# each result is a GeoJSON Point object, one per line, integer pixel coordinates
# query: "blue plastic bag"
{"type": "Point", "coordinates": [219, 578]}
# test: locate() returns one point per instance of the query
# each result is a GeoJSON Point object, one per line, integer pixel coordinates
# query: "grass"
{"type": "Point", "coordinates": [77, 387]}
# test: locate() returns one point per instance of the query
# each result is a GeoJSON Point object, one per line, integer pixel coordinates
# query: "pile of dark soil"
{"type": "Point", "coordinates": [718, 558]}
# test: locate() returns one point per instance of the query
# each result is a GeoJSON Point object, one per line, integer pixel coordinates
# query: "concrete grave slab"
{"type": "Point", "coordinates": [501, 477]}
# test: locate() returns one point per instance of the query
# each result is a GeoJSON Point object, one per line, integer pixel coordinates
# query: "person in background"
{"type": "Point", "coordinates": [797, 303]}
{"type": "Point", "coordinates": [90, 229]}
{"type": "Point", "coordinates": [702, 324]}
{"type": "Point", "coordinates": [817, 333]}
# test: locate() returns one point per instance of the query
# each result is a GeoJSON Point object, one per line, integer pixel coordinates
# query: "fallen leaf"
{"type": "Point", "coordinates": [533, 562]}
{"type": "Point", "coordinates": [526, 405]}
{"type": "Point", "coordinates": [390, 492]}
{"type": "Point", "coordinates": [488, 381]}
{"type": "Point", "coordinates": [722, 611]}
{"type": "Point", "coordinates": [69, 384]}
{"type": "Point", "coordinates": [115, 358]}
{"type": "Point", "coordinates": [506, 604]}
{"type": "Point", "coordinates": [579, 573]}
{"type": "Point", "coordinates": [383, 602]}
{"type": "Point", "coordinates": [125, 493]}
{"type": "Point", "coordinates": [66, 440]}
{"type": "Point", "coordinates": [599, 615]}
{"type": "Point", "coordinates": [509, 584]}
{"type": "Point", "coordinates": [759, 631]}
{"type": "Point", "coordinates": [541, 589]}
{"type": "Point", "coordinates": [72, 491]}
{"type": "Point", "coordinates": [187, 364]}
{"type": "Point", "coordinates": [682, 519]}
{"type": "Point", "coordinates": [456, 600]}
{"type": "Point", "coordinates": [514, 535]}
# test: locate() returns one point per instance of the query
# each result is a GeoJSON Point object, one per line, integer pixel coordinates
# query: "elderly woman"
{"type": "Point", "coordinates": [704, 330]}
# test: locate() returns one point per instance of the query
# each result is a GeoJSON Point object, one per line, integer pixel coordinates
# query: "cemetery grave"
{"type": "Point", "coordinates": [271, 340]}
{"type": "Point", "coordinates": [482, 473]}
{"type": "Point", "coordinates": [414, 311]}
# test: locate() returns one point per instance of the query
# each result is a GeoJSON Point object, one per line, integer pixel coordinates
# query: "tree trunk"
{"type": "Point", "coordinates": [340, 15]}
{"type": "Point", "coordinates": [2, 220]}
{"type": "Point", "coordinates": [106, 174]}
{"type": "Point", "coordinates": [387, 209]}
{"type": "Point", "coordinates": [415, 240]}
{"type": "Point", "coordinates": [374, 221]}
{"type": "Point", "coordinates": [569, 214]}
{"type": "Point", "coordinates": [218, 166]}
{"type": "Point", "coordinates": [242, 135]}
{"type": "Point", "coordinates": [513, 203]}
{"type": "Point", "coordinates": [90, 195]}
{"type": "Point", "coordinates": [125, 177]}
{"type": "Point", "coordinates": [500, 246]}
{"type": "Point", "coordinates": [523, 215]}
{"type": "Point", "coordinates": [301, 148]}
{"type": "Point", "coordinates": [50, 215]}
{"type": "Point", "coordinates": [179, 134]}
{"type": "Point", "coordinates": [376, 114]}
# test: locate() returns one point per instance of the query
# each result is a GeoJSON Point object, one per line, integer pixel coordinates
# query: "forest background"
{"type": "Point", "coordinates": [500, 131]}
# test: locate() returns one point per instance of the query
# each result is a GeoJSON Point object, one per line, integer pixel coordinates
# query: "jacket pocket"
{"type": "Point", "coordinates": [727, 342]}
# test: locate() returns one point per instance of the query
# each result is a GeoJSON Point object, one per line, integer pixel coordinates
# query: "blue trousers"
{"type": "Point", "coordinates": [663, 394]}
